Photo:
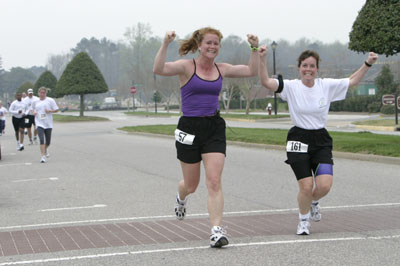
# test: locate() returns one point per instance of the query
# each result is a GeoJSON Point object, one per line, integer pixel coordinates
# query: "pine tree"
{"type": "Point", "coordinates": [48, 80]}
{"type": "Point", "coordinates": [81, 76]}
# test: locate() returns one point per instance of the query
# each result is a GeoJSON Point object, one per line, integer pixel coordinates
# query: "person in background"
{"type": "Point", "coordinates": [43, 110]}
{"type": "Point", "coordinates": [30, 118]}
{"type": "Point", "coordinates": [18, 109]}
{"type": "Point", "coordinates": [3, 112]}
{"type": "Point", "coordinates": [309, 145]}
{"type": "Point", "coordinates": [200, 134]}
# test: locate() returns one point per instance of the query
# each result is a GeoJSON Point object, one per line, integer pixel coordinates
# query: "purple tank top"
{"type": "Point", "coordinates": [200, 96]}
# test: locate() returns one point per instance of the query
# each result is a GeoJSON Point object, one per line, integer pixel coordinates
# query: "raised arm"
{"type": "Point", "coordinates": [357, 76]}
{"type": "Point", "coordinates": [249, 70]}
{"type": "Point", "coordinates": [160, 66]}
{"type": "Point", "coordinates": [266, 81]}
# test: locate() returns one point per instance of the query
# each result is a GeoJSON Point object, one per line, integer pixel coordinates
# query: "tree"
{"type": "Point", "coordinates": [157, 97]}
{"type": "Point", "coordinates": [13, 79]}
{"type": "Point", "coordinates": [105, 54]}
{"type": "Point", "coordinates": [57, 64]}
{"type": "Point", "coordinates": [24, 87]}
{"type": "Point", "coordinates": [81, 77]}
{"type": "Point", "coordinates": [48, 80]}
{"type": "Point", "coordinates": [377, 28]}
{"type": "Point", "coordinates": [385, 82]}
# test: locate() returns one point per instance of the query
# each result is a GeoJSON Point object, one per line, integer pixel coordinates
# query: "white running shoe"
{"type": "Point", "coordinates": [35, 140]}
{"type": "Point", "coordinates": [43, 160]}
{"type": "Point", "coordinates": [218, 237]}
{"type": "Point", "coordinates": [47, 153]}
{"type": "Point", "coordinates": [21, 147]}
{"type": "Point", "coordinates": [180, 208]}
{"type": "Point", "coordinates": [30, 142]}
{"type": "Point", "coordinates": [315, 212]}
{"type": "Point", "coordinates": [303, 228]}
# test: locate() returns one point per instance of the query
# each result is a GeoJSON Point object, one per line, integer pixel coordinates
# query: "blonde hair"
{"type": "Point", "coordinates": [43, 89]}
{"type": "Point", "coordinates": [191, 45]}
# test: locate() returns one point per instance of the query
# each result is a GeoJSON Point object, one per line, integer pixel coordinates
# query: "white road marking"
{"type": "Point", "coordinates": [35, 179]}
{"type": "Point", "coordinates": [15, 164]}
{"type": "Point", "coordinates": [190, 215]}
{"type": "Point", "coordinates": [153, 251]}
{"type": "Point", "coordinates": [74, 208]}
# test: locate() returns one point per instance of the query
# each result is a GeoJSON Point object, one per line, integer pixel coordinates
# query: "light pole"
{"type": "Point", "coordinates": [154, 95]}
{"type": "Point", "coordinates": [273, 46]}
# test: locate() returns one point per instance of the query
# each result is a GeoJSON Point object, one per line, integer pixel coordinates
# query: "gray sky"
{"type": "Point", "coordinates": [32, 30]}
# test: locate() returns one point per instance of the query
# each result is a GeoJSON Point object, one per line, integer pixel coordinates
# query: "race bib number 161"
{"type": "Point", "coordinates": [296, 146]}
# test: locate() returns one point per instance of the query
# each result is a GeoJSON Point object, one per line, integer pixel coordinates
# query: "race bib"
{"type": "Point", "coordinates": [296, 146]}
{"type": "Point", "coordinates": [26, 120]}
{"type": "Point", "coordinates": [42, 116]}
{"type": "Point", "coordinates": [184, 138]}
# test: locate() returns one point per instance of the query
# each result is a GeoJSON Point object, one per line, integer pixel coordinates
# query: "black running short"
{"type": "Point", "coordinates": [304, 160]}
{"type": "Point", "coordinates": [209, 136]}
{"type": "Point", "coordinates": [29, 120]}
{"type": "Point", "coordinates": [18, 123]}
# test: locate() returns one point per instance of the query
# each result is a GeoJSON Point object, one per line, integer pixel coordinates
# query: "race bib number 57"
{"type": "Point", "coordinates": [296, 146]}
{"type": "Point", "coordinates": [183, 137]}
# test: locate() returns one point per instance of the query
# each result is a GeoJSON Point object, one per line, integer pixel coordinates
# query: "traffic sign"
{"type": "Point", "coordinates": [133, 90]}
{"type": "Point", "coordinates": [388, 99]}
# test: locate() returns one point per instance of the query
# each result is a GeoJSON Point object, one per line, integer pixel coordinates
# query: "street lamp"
{"type": "Point", "coordinates": [273, 46]}
{"type": "Point", "coordinates": [154, 95]}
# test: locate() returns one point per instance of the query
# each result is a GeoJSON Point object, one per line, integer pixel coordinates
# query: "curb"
{"type": "Point", "coordinates": [378, 128]}
{"type": "Point", "coordinates": [337, 154]}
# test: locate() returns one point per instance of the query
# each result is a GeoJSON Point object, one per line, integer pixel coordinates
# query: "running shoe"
{"type": "Point", "coordinates": [303, 228]}
{"type": "Point", "coordinates": [43, 160]}
{"type": "Point", "coordinates": [180, 208]}
{"type": "Point", "coordinates": [35, 140]}
{"type": "Point", "coordinates": [21, 147]}
{"type": "Point", "coordinates": [30, 142]}
{"type": "Point", "coordinates": [218, 237]}
{"type": "Point", "coordinates": [47, 153]}
{"type": "Point", "coordinates": [315, 212]}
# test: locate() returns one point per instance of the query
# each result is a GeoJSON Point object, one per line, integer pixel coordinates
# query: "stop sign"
{"type": "Point", "coordinates": [133, 89]}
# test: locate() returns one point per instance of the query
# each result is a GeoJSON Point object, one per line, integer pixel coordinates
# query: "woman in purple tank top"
{"type": "Point", "coordinates": [200, 134]}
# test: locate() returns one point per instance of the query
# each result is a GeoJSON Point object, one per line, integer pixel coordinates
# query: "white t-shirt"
{"type": "Point", "coordinates": [3, 112]}
{"type": "Point", "coordinates": [28, 102]}
{"type": "Point", "coordinates": [309, 107]}
{"type": "Point", "coordinates": [43, 119]}
{"type": "Point", "coordinates": [17, 106]}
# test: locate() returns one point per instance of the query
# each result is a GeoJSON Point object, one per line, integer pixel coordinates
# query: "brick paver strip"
{"type": "Point", "coordinates": [191, 229]}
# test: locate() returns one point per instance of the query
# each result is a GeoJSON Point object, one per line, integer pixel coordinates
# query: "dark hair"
{"type": "Point", "coordinates": [306, 54]}
{"type": "Point", "coordinates": [191, 45]}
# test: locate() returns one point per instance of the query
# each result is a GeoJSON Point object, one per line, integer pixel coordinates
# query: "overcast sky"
{"type": "Point", "coordinates": [32, 30]}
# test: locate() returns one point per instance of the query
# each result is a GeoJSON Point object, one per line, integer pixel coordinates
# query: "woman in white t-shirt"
{"type": "Point", "coordinates": [43, 110]}
{"type": "Point", "coordinates": [309, 146]}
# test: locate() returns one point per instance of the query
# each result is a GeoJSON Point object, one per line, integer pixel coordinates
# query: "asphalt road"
{"type": "Point", "coordinates": [99, 175]}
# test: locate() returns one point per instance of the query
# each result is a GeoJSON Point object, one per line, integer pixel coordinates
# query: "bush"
{"type": "Point", "coordinates": [374, 107]}
{"type": "Point", "coordinates": [387, 109]}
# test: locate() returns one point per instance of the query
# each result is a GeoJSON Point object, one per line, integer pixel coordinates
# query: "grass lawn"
{"type": "Point", "coordinates": [226, 116]}
{"type": "Point", "coordinates": [357, 142]}
{"type": "Point", "coordinates": [73, 118]}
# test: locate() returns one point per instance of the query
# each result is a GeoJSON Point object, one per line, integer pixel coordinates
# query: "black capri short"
{"type": "Point", "coordinates": [209, 137]}
{"type": "Point", "coordinates": [304, 162]}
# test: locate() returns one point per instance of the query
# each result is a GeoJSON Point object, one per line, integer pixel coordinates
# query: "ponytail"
{"type": "Point", "coordinates": [191, 44]}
